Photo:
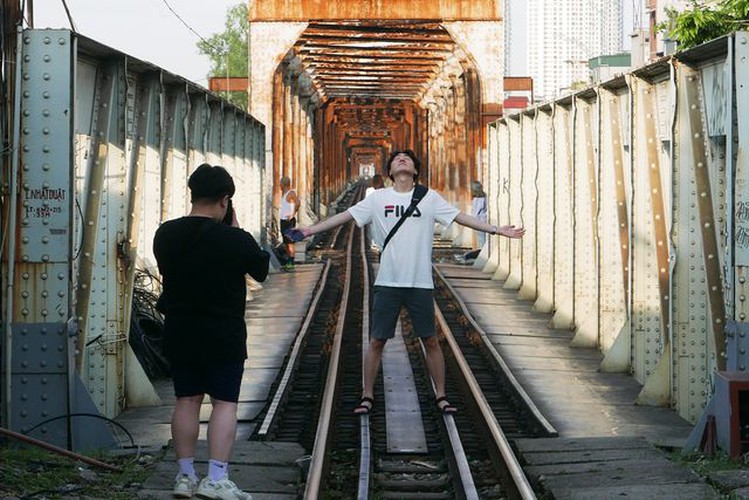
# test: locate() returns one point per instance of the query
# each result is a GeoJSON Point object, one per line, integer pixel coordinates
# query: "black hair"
{"type": "Point", "coordinates": [410, 154]}
{"type": "Point", "coordinates": [210, 183]}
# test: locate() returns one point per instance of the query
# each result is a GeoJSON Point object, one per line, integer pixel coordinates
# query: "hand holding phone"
{"type": "Point", "coordinates": [229, 217]}
{"type": "Point", "coordinates": [294, 235]}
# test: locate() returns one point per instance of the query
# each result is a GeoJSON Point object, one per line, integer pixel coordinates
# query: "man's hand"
{"type": "Point", "coordinates": [294, 234]}
{"type": "Point", "coordinates": [511, 231]}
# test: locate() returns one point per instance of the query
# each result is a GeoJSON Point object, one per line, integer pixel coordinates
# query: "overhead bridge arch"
{"type": "Point", "coordinates": [342, 84]}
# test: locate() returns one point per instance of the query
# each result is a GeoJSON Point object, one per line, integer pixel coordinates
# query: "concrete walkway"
{"type": "Point", "coordinates": [607, 445]}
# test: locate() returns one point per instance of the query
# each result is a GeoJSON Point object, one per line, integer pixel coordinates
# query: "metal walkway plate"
{"type": "Point", "coordinates": [405, 429]}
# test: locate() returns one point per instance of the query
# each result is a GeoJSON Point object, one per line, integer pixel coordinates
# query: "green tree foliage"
{"type": "Point", "coordinates": [705, 20]}
{"type": "Point", "coordinates": [228, 50]}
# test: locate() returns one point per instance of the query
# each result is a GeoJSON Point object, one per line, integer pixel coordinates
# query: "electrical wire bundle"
{"type": "Point", "coordinates": [147, 326]}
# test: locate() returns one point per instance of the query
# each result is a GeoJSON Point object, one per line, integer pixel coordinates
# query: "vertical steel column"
{"type": "Point", "coordinates": [586, 212]}
{"type": "Point", "coordinates": [651, 300]}
{"type": "Point", "coordinates": [504, 214]}
{"type": "Point", "coordinates": [515, 197]}
{"type": "Point", "coordinates": [693, 283]}
{"type": "Point", "coordinates": [529, 196]}
{"type": "Point", "coordinates": [564, 230]}
{"type": "Point", "coordinates": [545, 216]}
{"type": "Point", "coordinates": [740, 205]}
{"type": "Point", "coordinates": [41, 373]}
{"type": "Point", "coordinates": [613, 230]}
{"type": "Point", "coordinates": [493, 191]}
{"type": "Point", "coordinates": [43, 381]}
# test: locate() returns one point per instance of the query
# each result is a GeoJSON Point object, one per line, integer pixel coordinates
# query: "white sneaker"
{"type": "Point", "coordinates": [223, 489]}
{"type": "Point", "coordinates": [184, 486]}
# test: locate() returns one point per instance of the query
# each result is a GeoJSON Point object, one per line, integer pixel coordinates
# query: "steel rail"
{"type": "Point", "coordinates": [365, 453]}
{"type": "Point", "coordinates": [334, 239]}
{"type": "Point", "coordinates": [283, 387]}
{"type": "Point", "coordinates": [549, 429]}
{"type": "Point", "coordinates": [320, 455]}
{"type": "Point", "coordinates": [521, 484]}
{"type": "Point", "coordinates": [459, 455]}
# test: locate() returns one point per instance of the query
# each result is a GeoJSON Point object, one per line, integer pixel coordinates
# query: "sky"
{"type": "Point", "coordinates": [144, 29]}
{"type": "Point", "coordinates": [148, 30]}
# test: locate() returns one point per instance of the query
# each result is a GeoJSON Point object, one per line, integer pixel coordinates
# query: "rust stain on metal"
{"type": "Point", "coordinates": [377, 59]}
{"type": "Point", "coordinates": [513, 83]}
{"type": "Point", "coordinates": [304, 10]}
{"type": "Point", "coordinates": [228, 84]}
{"type": "Point", "coordinates": [708, 224]}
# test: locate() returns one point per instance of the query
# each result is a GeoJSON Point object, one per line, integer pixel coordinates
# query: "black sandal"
{"type": "Point", "coordinates": [362, 408]}
{"type": "Point", "coordinates": [447, 409]}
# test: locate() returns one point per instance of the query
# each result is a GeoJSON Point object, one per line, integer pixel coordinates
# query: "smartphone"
{"type": "Point", "coordinates": [229, 217]}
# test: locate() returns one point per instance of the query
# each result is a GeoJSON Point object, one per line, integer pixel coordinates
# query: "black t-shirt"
{"type": "Point", "coordinates": [203, 265]}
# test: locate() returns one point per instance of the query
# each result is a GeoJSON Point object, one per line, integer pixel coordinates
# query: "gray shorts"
{"type": "Point", "coordinates": [386, 307]}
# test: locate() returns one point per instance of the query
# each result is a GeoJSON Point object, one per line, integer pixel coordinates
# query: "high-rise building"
{"type": "Point", "coordinates": [563, 35]}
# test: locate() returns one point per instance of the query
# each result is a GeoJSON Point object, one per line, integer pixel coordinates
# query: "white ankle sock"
{"type": "Point", "coordinates": [217, 470]}
{"type": "Point", "coordinates": [187, 467]}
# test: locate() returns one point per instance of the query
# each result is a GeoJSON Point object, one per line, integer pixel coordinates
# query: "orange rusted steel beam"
{"type": "Point", "coordinates": [228, 84]}
{"type": "Point", "coordinates": [518, 83]}
{"type": "Point", "coordinates": [305, 10]}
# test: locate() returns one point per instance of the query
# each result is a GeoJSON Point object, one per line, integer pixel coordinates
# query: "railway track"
{"type": "Point", "coordinates": [466, 455]}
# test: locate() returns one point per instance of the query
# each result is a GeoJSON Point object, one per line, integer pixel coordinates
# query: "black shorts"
{"type": "Point", "coordinates": [386, 307]}
{"type": "Point", "coordinates": [220, 381]}
{"type": "Point", "coordinates": [287, 224]}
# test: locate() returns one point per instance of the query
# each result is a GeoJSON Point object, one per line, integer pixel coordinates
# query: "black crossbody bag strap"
{"type": "Point", "coordinates": [419, 193]}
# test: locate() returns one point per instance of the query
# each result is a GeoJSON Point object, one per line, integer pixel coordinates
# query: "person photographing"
{"type": "Point", "coordinates": [203, 259]}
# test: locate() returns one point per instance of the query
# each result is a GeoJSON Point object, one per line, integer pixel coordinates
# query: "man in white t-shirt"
{"type": "Point", "coordinates": [405, 275]}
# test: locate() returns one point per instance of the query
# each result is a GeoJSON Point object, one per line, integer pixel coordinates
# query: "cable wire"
{"type": "Point", "coordinates": [146, 334]}
{"type": "Point", "coordinates": [70, 17]}
{"type": "Point", "coordinates": [219, 50]}
{"type": "Point", "coordinates": [92, 415]}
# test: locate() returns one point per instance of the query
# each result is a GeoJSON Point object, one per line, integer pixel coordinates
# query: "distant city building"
{"type": "Point", "coordinates": [603, 68]}
{"type": "Point", "coordinates": [518, 93]}
{"type": "Point", "coordinates": [564, 35]}
{"type": "Point", "coordinates": [648, 44]}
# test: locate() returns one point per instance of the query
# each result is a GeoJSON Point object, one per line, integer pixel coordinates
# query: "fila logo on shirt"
{"type": "Point", "coordinates": [399, 210]}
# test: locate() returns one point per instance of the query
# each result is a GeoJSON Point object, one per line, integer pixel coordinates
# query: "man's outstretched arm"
{"type": "Point", "coordinates": [327, 224]}
{"type": "Point", "coordinates": [479, 225]}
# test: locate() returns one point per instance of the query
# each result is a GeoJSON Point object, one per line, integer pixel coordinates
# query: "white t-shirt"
{"type": "Point", "coordinates": [407, 260]}
{"type": "Point", "coordinates": [287, 207]}
{"type": "Point", "coordinates": [478, 208]}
